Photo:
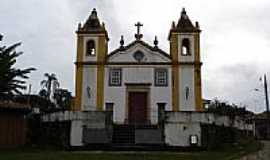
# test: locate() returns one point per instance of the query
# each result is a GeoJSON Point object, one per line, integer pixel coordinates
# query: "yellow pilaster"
{"type": "Point", "coordinates": [175, 71]}
{"type": "Point", "coordinates": [102, 51]}
{"type": "Point", "coordinates": [197, 75]}
{"type": "Point", "coordinates": [79, 75]}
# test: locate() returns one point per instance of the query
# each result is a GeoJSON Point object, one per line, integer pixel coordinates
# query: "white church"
{"type": "Point", "coordinates": [137, 76]}
{"type": "Point", "coordinates": [139, 94]}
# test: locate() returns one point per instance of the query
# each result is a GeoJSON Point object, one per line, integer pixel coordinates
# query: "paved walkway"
{"type": "Point", "coordinates": [264, 154]}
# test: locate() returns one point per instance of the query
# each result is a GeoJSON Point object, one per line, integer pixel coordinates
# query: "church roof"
{"type": "Point", "coordinates": [184, 25]}
{"type": "Point", "coordinates": [155, 49]}
{"type": "Point", "coordinates": [92, 25]}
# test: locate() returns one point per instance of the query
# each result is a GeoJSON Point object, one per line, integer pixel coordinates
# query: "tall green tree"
{"type": "Point", "coordinates": [63, 98]}
{"type": "Point", "coordinates": [50, 83]}
{"type": "Point", "coordinates": [12, 80]}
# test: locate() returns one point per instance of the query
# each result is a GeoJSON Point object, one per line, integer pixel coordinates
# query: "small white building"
{"type": "Point", "coordinates": [134, 78]}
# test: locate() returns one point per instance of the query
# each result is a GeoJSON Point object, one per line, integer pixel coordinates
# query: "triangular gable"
{"type": "Point", "coordinates": [129, 53]}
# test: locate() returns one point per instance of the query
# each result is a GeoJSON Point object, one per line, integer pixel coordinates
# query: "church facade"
{"type": "Point", "coordinates": [139, 95]}
{"type": "Point", "coordinates": [135, 78]}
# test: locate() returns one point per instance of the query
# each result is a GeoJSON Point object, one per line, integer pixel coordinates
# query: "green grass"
{"type": "Point", "coordinates": [224, 154]}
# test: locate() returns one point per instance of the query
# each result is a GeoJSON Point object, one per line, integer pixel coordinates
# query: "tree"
{"type": "Point", "coordinates": [50, 83]}
{"type": "Point", "coordinates": [224, 108]}
{"type": "Point", "coordinates": [63, 98]}
{"type": "Point", "coordinates": [43, 93]}
{"type": "Point", "coordinates": [12, 80]}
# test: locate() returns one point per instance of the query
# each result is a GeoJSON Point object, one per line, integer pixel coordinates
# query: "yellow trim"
{"type": "Point", "coordinates": [101, 55]}
{"type": "Point", "coordinates": [197, 76]}
{"type": "Point", "coordinates": [197, 47]}
{"type": "Point", "coordinates": [79, 75]}
{"type": "Point", "coordinates": [175, 88]}
{"type": "Point", "coordinates": [174, 47]}
{"type": "Point", "coordinates": [175, 72]}
{"type": "Point", "coordinates": [100, 87]}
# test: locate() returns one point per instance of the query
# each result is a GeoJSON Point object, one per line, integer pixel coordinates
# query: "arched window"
{"type": "Point", "coordinates": [90, 48]}
{"type": "Point", "coordinates": [185, 50]}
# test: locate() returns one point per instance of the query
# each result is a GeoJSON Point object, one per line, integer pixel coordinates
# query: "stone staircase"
{"type": "Point", "coordinates": [123, 135]}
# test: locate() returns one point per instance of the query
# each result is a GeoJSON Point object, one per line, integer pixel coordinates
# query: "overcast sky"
{"type": "Point", "coordinates": [235, 42]}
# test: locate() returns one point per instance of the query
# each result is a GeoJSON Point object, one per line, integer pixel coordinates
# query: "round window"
{"type": "Point", "coordinates": [138, 56]}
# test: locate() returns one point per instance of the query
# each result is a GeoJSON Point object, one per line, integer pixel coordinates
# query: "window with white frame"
{"type": "Point", "coordinates": [161, 77]}
{"type": "Point", "coordinates": [115, 77]}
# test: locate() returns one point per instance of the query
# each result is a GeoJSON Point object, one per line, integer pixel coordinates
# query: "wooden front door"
{"type": "Point", "coordinates": [137, 113]}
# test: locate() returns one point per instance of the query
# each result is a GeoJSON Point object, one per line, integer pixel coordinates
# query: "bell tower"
{"type": "Point", "coordinates": [186, 65]}
{"type": "Point", "coordinates": [92, 48]}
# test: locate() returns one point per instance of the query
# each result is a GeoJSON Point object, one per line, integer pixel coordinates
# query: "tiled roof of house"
{"type": "Point", "coordinates": [12, 106]}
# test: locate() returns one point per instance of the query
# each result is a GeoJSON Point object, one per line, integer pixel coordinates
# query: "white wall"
{"type": "Point", "coordinates": [186, 79]}
{"type": "Point", "coordinates": [115, 95]}
{"type": "Point", "coordinates": [76, 133]}
{"type": "Point", "coordinates": [137, 74]}
{"type": "Point", "coordinates": [79, 120]}
{"type": "Point", "coordinates": [89, 75]}
{"type": "Point", "coordinates": [179, 126]}
{"type": "Point", "coordinates": [186, 75]}
{"type": "Point", "coordinates": [89, 79]}
{"type": "Point", "coordinates": [178, 134]}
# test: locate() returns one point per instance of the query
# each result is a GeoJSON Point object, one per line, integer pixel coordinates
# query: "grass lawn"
{"type": "Point", "coordinates": [225, 154]}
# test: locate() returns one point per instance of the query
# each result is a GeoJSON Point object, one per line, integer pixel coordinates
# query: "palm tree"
{"type": "Point", "coordinates": [50, 83]}
{"type": "Point", "coordinates": [11, 78]}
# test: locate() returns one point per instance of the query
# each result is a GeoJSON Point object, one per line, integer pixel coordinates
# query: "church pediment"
{"type": "Point", "coordinates": [139, 51]}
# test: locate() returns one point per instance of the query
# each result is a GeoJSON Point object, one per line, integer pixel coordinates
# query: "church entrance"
{"type": "Point", "coordinates": [137, 108]}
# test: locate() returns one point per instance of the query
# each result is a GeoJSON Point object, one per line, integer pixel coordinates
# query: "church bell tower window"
{"type": "Point", "coordinates": [185, 49]}
{"type": "Point", "coordinates": [90, 48]}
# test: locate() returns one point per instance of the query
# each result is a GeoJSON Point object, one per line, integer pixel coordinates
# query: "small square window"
{"type": "Point", "coordinates": [194, 140]}
{"type": "Point", "coordinates": [115, 77]}
{"type": "Point", "coordinates": [161, 77]}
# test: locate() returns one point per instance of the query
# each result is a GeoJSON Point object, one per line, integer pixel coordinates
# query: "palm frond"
{"type": "Point", "coordinates": [11, 78]}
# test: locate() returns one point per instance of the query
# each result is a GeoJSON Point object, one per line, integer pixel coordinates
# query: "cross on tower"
{"type": "Point", "coordinates": [138, 35]}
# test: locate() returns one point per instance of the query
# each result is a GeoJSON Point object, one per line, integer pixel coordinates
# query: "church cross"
{"type": "Point", "coordinates": [138, 35]}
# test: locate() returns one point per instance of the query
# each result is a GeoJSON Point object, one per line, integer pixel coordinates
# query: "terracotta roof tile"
{"type": "Point", "coordinates": [12, 106]}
